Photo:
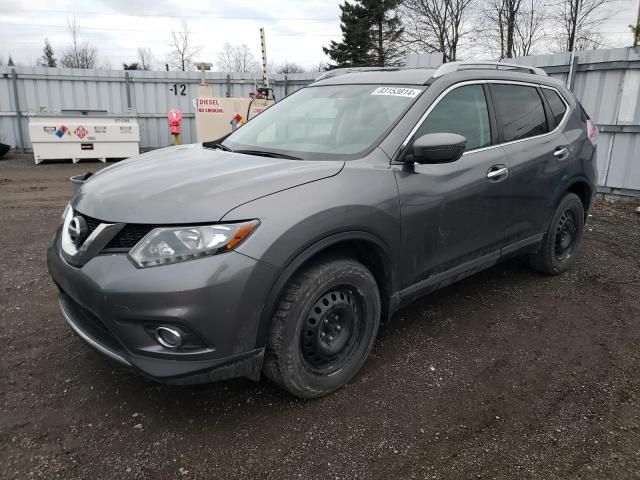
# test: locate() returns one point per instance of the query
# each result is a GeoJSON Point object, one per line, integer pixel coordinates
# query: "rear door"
{"type": "Point", "coordinates": [452, 212]}
{"type": "Point", "coordinates": [537, 151]}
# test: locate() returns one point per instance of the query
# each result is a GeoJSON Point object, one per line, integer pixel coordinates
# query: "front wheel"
{"type": "Point", "coordinates": [559, 246]}
{"type": "Point", "coordinates": [324, 328]}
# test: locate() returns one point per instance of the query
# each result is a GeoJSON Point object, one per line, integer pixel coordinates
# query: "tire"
{"type": "Point", "coordinates": [323, 330]}
{"type": "Point", "coordinates": [559, 246]}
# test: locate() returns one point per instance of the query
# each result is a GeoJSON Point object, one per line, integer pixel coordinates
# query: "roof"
{"type": "Point", "coordinates": [381, 76]}
{"type": "Point", "coordinates": [424, 76]}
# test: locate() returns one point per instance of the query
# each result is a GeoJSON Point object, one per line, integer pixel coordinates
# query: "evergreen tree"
{"type": "Point", "coordinates": [371, 31]}
{"type": "Point", "coordinates": [386, 30]}
{"type": "Point", "coordinates": [353, 50]}
{"type": "Point", "coordinates": [10, 62]}
{"type": "Point", "coordinates": [48, 58]}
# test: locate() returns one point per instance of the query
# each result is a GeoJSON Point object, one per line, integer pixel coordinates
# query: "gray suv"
{"type": "Point", "coordinates": [281, 247]}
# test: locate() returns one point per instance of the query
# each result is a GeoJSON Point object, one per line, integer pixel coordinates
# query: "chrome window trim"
{"type": "Point", "coordinates": [481, 82]}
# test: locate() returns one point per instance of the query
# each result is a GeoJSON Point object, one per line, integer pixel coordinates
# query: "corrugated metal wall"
{"type": "Point", "coordinates": [607, 83]}
{"type": "Point", "coordinates": [148, 95]}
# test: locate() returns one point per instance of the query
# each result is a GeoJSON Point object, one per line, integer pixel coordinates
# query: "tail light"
{"type": "Point", "coordinates": [592, 130]}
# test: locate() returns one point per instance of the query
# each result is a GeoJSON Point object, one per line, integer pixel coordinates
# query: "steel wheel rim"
{"type": "Point", "coordinates": [332, 331]}
{"type": "Point", "coordinates": [566, 236]}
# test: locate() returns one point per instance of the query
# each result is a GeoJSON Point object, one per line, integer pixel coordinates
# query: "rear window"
{"type": "Point", "coordinates": [555, 103]}
{"type": "Point", "coordinates": [519, 109]}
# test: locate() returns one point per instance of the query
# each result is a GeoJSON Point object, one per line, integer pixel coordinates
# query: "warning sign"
{"type": "Point", "coordinates": [209, 105]}
{"type": "Point", "coordinates": [217, 116]}
{"type": "Point", "coordinates": [81, 132]}
{"type": "Point", "coordinates": [62, 129]}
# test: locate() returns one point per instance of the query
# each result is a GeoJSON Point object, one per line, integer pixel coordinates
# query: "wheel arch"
{"type": "Point", "coordinates": [583, 189]}
{"type": "Point", "coordinates": [365, 247]}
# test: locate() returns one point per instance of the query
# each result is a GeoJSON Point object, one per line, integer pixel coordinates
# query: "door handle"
{"type": "Point", "coordinates": [497, 173]}
{"type": "Point", "coordinates": [561, 153]}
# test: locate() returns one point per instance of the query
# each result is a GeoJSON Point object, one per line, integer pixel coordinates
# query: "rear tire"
{"type": "Point", "coordinates": [324, 328]}
{"type": "Point", "coordinates": [560, 243]}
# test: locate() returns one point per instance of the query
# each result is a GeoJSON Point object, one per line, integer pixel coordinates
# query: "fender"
{"type": "Point", "coordinates": [565, 186]}
{"type": "Point", "coordinates": [300, 259]}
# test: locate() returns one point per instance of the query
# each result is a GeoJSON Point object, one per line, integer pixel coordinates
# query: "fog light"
{"type": "Point", "coordinates": [168, 337]}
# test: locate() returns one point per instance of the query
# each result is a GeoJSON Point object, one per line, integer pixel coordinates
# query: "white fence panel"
{"type": "Point", "coordinates": [148, 95]}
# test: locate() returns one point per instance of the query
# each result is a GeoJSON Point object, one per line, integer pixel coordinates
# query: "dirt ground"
{"type": "Point", "coordinates": [508, 374]}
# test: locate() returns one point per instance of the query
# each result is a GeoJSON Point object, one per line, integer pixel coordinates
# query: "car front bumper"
{"type": "Point", "coordinates": [113, 306]}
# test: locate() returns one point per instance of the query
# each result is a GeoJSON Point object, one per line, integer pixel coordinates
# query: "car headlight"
{"type": "Point", "coordinates": [162, 246]}
{"type": "Point", "coordinates": [65, 212]}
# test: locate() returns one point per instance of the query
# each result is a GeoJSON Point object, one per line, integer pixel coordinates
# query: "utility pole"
{"type": "Point", "coordinates": [636, 30]}
{"type": "Point", "coordinates": [263, 43]}
{"type": "Point", "coordinates": [573, 44]}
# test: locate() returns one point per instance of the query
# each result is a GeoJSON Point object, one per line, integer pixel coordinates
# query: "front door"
{"type": "Point", "coordinates": [452, 213]}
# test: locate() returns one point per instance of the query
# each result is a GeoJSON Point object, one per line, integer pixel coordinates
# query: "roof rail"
{"type": "Point", "coordinates": [457, 66]}
{"type": "Point", "coordinates": [342, 71]}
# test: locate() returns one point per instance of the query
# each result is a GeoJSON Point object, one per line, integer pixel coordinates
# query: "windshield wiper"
{"type": "Point", "coordinates": [217, 145]}
{"type": "Point", "coordinates": [264, 153]}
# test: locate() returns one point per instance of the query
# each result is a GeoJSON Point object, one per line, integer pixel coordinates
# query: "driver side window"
{"type": "Point", "coordinates": [462, 111]}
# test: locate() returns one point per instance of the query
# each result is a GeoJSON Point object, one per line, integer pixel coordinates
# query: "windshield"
{"type": "Point", "coordinates": [335, 121]}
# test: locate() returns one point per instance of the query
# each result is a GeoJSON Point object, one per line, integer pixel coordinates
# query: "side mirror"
{"type": "Point", "coordinates": [438, 148]}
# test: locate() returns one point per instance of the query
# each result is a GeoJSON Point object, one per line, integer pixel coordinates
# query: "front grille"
{"type": "Point", "coordinates": [125, 240]}
{"type": "Point", "coordinates": [92, 223]}
{"type": "Point", "coordinates": [128, 237]}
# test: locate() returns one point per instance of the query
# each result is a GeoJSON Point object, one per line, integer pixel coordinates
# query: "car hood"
{"type": "Point", "coordinates": [190, 184]}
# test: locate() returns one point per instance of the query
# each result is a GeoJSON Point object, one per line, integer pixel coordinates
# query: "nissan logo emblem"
{"type": "Point", "coordinates": [78, 230]}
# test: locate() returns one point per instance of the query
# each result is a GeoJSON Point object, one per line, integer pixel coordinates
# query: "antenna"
{"type": "Point", "coordinates": [265, 78]}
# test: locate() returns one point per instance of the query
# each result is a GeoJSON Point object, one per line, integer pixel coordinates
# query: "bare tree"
{"type": "Point", "coordinates": [145, 58]}
{"type": "Point", "coordinates": [319, 67]}
{"type": "Point", "coordinates": [510, 28]}
{"type": "Point", "coordinates": [500, 18]}
{"type": "Point", "coordinates": [290, 67]}
{"type": "Point", "coordinates": [578, 22]}
{"type": "Point", "coordinates": [79, 55]}
{"type": "Point", "coordinates": [529, 27]}
{"type": "Point", "coordinates": [237, 58]}
{"type": "Point", "coordinates": [225, 58]}
{"type": "Point", "coordinates": [183, 48]}
{"type": "Point", "coordinates": [435, 25]}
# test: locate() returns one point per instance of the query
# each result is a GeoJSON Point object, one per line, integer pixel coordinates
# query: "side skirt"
{"type": "Point", "coordinates": [410, 294]}
{"type": "Point", "coordinates": [439, 280]}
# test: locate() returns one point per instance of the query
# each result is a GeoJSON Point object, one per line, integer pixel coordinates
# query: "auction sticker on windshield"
{"type": "Point", "coordinates": [396, 91]}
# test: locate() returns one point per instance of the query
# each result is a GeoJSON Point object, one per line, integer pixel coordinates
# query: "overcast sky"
{"type": "Point", "coordinates": [296, 29]}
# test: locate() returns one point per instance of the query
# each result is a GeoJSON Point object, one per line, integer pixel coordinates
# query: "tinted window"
{"type": "Point", "coordinates": [463, 111]}
{"type": "Point", "coordinates": [519, 109]}
{"type": "Point", "coordinates": [555, 102]}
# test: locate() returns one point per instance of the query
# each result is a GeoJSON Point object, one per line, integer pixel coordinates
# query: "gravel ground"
{"type": "Point", "coordinates": [507, 374]}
